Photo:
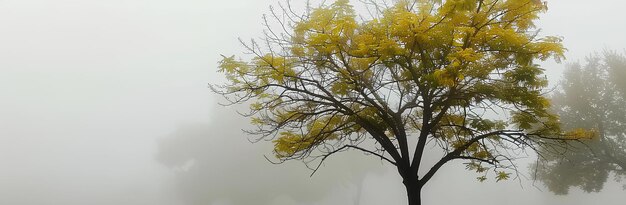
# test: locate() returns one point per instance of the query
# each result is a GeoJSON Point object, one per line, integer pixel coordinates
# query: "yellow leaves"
{"type": "Point", "coordinates": [475, 150]}
{"type": "Point", "coordinates": [284, 116]}
{"type": "Point", "coordinates": [460, 63]}
{"type": "Point", "coordinates": [340, 88]}
{"type": "Point", "coordinates": [521, 13]}
{"type": "Point", "coordinates": [543, 102]}
{"type": "Point", "coordinates": [502, 176]}
{"type": "Point", "coordinates": [506, 37]}
{"type": "Point", "coordinates": [458, 143]}
{"type": "Point", "coordinates": [473, 165]}
{"type": "Point", "coordinates": [483, 125]}
{"type": "Point", "coordinates": [483, 55]}
{"type": "Point", "coordinates": [499, 177]}
{"type": "Point", "coordinates": [370, 114]}
{"type": "Point", "coordinates": [448, 77]}
{"type": "Point", "coordinates": [403, 23]}
{"type": "Point", "coordinates": [482, 154]}
{"type": "Point", "coordinates": [458, 12]}
{"type": "Point", "coordinates": [256, 121]}
{"type": "Point", "coordinates": [328, 29]}
{"type": "Point", "coordinates": [323, 127]}
{"type": "Point", "coordinates": [405, 27]}
{"type": "Point", "coordinates": [323, 43]}
{"type": "Point", "coordinates": [524, 120]}
{"type": "Point", "coordinates": [459, 5]}
{"type": "Point", "coordinates": [449, 129]}
{"type": "Point", "coordinates": [364, 45]}
{"type": "Point", "coordinates": [372, 39]}
{"type": "Point", "coordinates": [453, 119]}
{"type": "Point", "coordinates": [317, 131]}
{"type": "Point", "coordinates": [468, 55]}
{"type": "Point", "coordinates": [537, 121]}
{"type": "Point", "coordinates": [582, 134]}
{"type": "Point", "coordinates": [289, 143]}
{"type": "Point", "coordinates": [357, 70]}
{"type": "Point", "coordinates": [549, 46]}
{"type": "Point", "coordinates": [235, 70]}
{"type": "Point", "coordinates": [257, 73]}
{"type": "Point", "coordinates": [527, 76]}
{"type": "Point", "coordinates": [298, 51]}
{"type": "Point", "coordinates": [256, 106]}
{"type": "Point", "coordinates": [342, 4]}
{"type": "Point", "coordinates": [389, 48]}
{"type": "Point", "coordinates": [230, 66]}
{"type": "Point", "coordinates": [274, 67]}
{"type": "Point", "coordinates": [481, 178]}
{"type": "Point", "coordinates": [362, 65]}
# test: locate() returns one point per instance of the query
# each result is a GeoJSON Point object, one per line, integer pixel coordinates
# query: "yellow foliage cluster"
{"type": "Point", "coordinates": [582, 134]}
{"type": "Point", "coordinates": [289, 143]}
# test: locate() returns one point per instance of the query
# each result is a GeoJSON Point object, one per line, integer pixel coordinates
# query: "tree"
{"type": "Point", "coordinates": [593, 97]}
{"type": "Point", "coordinates": [414, 73]}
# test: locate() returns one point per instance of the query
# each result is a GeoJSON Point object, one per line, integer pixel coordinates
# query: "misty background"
{"type": "Point", "coordinates": [106, 102]}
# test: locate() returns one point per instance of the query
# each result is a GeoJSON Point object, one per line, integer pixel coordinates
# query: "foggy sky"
{"type": "Point", "coordinates": [92, 92]}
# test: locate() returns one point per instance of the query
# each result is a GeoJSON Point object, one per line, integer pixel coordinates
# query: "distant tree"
{"type": "Point", "coordinates": [592, 96]}
{"type": "Point", "coordinates": [212, 164]}
{"type": "Point", "coordinates": [414, 73]}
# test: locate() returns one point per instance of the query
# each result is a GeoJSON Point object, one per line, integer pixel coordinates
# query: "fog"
{"type": "Point", "coordinates": [106, 102]}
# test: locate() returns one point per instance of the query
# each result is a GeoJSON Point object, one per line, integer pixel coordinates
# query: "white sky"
{"type": "Point", "coordinates": [88, 88]}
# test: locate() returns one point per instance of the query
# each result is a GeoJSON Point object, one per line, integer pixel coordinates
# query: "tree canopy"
{"type": "Point", "coordinates": [414, 73]}
{"type": "Point", "coordinates": [592, 96]}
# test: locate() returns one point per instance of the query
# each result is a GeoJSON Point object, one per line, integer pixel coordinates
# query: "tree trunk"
{"type": "Point", "coordinates": [413, 192]}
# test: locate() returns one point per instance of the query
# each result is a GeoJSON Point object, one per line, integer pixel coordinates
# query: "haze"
{"type": "Point", "coordinates": [106, 102]}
